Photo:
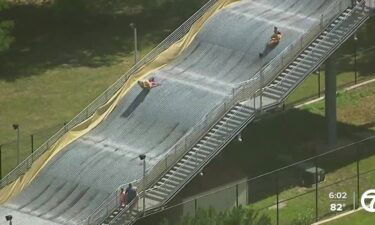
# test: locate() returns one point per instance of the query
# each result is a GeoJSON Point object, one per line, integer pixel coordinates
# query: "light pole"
{"type": "Point", "coordinates": [355, 58]}
{"type": "Point", "coordinates": [143, 158]}
{"type": "Point", "coordinates": [9, 218]}
{"type": "Point", "coordinates": [17, 127]}
{"type": "Point", "coordinates": [134, 27]}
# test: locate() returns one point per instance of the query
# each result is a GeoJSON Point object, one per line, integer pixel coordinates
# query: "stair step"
{"type": "Point", "coordinates": [212, 140]}
{"type": "Point", "coordinates": [155, 197]}
{"type": "Point", "coordinates": [171, 176]}
{"type": "Point", "coordinates": [193, 158]}
{"type": "Point", "coordinates": [302, 64]}
{"type": "Point", "coordinates": [179, 174]}
{"type": "Point", "coordinates": [207, 142]}
{"type": "Point", "coordinates": [310, 57]}
{"type": "Point", "coordinates": [338, 32]}
{"type": "Point", "coordinates": [200, 150]}
{"type": "Point", "coordinates": [286, 80]}
{"type": "Point", "coordinates": [232, 121]}
{"type": "Point", "coordinates": [163, 188]}
{"type": "Point", "coordinates": [185, 166]}
{"type": "Point", "coordinates": [197, 155]}
{"type": "Point", "coordinates": [281, 88]}
{"type": "Point", "coordinates": [320, 46]}
{"type": "Point", "coordinates": [288, 74]}
{"type": "Point", "coordinates": [181, 170]}
{"type": "Point", "coordinates": [238, 112]}
{"type": "Point", "coordinates": [170, 186]}
{"type": "Point", "coordinates": [224, 133]}
{"type": "Point", "coordinates": [226, 126]}
{"type": "Point", "coordinates": [219, 136]}
{"type": "Point", "coordinates": [282, 84]}
{"type": "Point", "coordinates": [326, 43]}
{"type": "Point", "coordinates": [246, 108]}
{"type": "Point", "coordinates": [292, 77]}
{"type": "Point", "coordinates": [166, 180]}
{"type": "Point", "coordinates": [189, 161]}
{"type": "Point", "coordinates": [157, 193]}
{"type": "Point", "coordinates": [226, 129]}
{"type": "Point", "coordinates": [270, 95]}
{"type": "Point", "coordinates": [317, 49]}
{"type": "Point", "coordinates": [307, 61]}
{"type": "Point", "coordinates": [207, 148]}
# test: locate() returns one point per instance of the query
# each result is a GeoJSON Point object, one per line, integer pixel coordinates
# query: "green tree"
{"type": "Point", "coordinates": [5, 29]}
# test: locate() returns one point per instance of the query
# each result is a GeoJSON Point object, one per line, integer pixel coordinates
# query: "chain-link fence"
{"type": "Point", "coordinates": [310, 190]}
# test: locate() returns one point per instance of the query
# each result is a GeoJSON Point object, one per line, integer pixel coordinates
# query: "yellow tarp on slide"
{"type": "Point", "coordinates": [163, 59]}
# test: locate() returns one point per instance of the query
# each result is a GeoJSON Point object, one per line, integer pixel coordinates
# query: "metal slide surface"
{"type": "Point", "coordinates": [224, 53]}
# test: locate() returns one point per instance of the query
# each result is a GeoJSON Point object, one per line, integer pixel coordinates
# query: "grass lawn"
{"type": "Point", "coordinates": [358, 218]}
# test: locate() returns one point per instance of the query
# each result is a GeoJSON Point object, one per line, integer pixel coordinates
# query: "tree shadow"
{"type": "Point", "coordinates": [47, 38]}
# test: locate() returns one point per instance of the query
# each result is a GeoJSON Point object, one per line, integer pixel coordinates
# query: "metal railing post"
{"type": "Point", "coordinates": [32, 147]}
{"type": "Point", "coordinates": [316, 190]}
{"type": "Point", "coordinates": [277, 199]}
{"type": "Point", "coordinates": [358, 176]}
{"type": "Point", "coordinates": [236, 195]}
{"type": "Point", "coordinates": [1, 173]}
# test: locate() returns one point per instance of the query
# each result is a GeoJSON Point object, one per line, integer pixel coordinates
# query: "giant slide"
{"type": "Point", "coordinates": [224, 53]}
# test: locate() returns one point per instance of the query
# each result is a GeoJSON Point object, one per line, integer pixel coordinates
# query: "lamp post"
{"type": "Point", "coordinates": [355, 58]}
{"type": "Point", "coordinates": [143, 158]}
{"type": "Point", "coordinates": [9, 218]}
{"type": "Point", "coordinates": [134, 27]}
{"type": "Point", "coordinates": [17, 128]}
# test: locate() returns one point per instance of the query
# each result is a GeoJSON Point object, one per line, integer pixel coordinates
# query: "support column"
{"type": "Point", "coordinates": [330, 100]}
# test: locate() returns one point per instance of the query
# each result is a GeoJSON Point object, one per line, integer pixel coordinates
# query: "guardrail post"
{"type": "Point", "coordinates": [261, 100]}
{"type": "Point", "coordinates": [277, 198]}
{"type": "Point", "coordinates": [254, 98]}
{"type": "Point", "coordinates": [236, 195]}
{"type": "Point", "coordinates": [32, 147]}
{"type": "Point", "coordinates": [358, 181]}
{"type": "Point", "coordinates": [1, 176]}
{"type": "Point", "coordinates": [316, 190]}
